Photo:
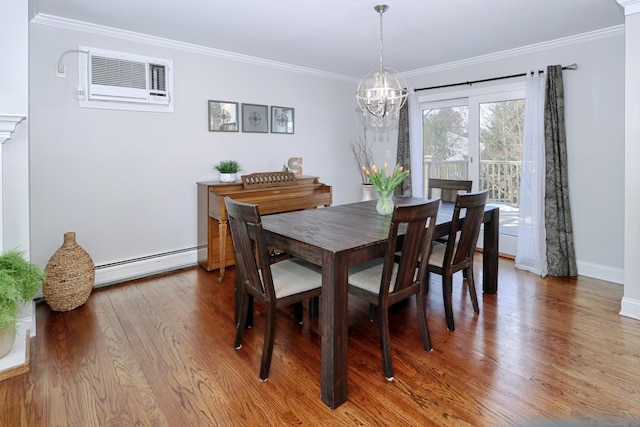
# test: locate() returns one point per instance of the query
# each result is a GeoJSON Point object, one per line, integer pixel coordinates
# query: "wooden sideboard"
{"type": "Point", "coordinates": [273, 192]}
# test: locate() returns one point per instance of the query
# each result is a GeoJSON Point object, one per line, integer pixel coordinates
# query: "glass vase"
{"type": "Point", "coordinates": [384, 206]}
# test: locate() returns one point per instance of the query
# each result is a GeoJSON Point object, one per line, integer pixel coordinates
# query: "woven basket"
{"type": "Point", "coordinates": [70, 276]}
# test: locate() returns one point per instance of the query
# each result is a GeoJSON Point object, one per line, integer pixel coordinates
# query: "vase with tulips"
{"type": "Point", "coordinates": [385, 184]}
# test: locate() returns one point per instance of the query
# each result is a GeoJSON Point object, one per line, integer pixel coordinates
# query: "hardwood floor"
{"type": "Point", "coordinates": [159, 352]}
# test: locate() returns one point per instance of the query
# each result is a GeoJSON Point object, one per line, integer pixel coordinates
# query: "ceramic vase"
{"type": "Point", "coordinates": [227, 177]}
{"type": "Point", "coordinates": [369, 192]}
{"type": "Point", "coordinates": [7, 339]}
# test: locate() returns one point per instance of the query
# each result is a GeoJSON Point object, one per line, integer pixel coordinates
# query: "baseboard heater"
{"type": "Point", "coordinates": [148, 265]}
{"type": "Point", "coordinates": [144, 258]}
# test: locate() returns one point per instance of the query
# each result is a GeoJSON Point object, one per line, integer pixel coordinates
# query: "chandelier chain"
{"type": "Point", "coordinates": [381, 40]}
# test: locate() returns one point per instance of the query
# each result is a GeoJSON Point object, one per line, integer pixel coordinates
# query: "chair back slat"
{"type": "Point", "coordinates": [419, 220]}
{"type": "Point", "coordinates": [252, 262]}
{"type": "Point", "coordinates": [449, 188]}
{"type": "Point", "coordinates": [462, 243]}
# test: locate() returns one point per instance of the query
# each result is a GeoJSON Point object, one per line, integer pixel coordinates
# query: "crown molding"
{"type": "Point", "coordinates": [100, 30]}
{"type": "Point", "coordinates": [8, 123]}
{"type": "Point", "coordinates": [630, 6]}
{"type": "Point", "coordinates": [505, 54]}
{"type": "Point", "coordinates": [70, 24]}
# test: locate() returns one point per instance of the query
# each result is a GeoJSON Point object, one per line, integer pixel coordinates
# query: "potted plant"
{"type": "Point", "coordinates": [228, 170]}
{"type": "Point", "coordinates": [363, 159]}
{"type": "Point", "coordinates": [19, 281]}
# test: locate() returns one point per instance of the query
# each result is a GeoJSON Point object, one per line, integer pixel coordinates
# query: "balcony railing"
{"type": "Point", "coordinates": [501, 178]}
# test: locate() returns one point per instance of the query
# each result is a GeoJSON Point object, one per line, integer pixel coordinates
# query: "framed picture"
{"type": "Point", "coordinates": [223, 116]}
{"type": "Point", "coordinates": [281, 119]}
{"type": "Point", "coordinates": [255, 118]}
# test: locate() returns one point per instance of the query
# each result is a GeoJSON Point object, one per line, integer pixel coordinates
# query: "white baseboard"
{"type": "Point", "coordinates": [601, 272]}
{"type": "Point", "coordinates": [135, 269]}
{"type": "Point", "coordinates": [630, 308]}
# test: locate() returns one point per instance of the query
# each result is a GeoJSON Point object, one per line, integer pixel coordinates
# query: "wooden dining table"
{"type": "Point", "coordinates": [342, 236]}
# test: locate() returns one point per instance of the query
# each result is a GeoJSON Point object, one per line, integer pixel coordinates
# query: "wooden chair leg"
{"type": "Point", "coordinates": [385, 341]}
{"type": "Point", "coordinates": [472, 290]}
{"type": "Point", "coordinates": [269, 338]}
{"type": "Point", "coordinates": [446, 295]}
{"type": "Point", "coordinates": [238, 298]}
{"type": "Point", "coordinates": [243, 305]}
{"type": "Point", "coordinates": [425, 287]}
{"type": "Point", "coordinates": [421, 303]}
{"type": "Point", "coordinates": [297, 312]}
{"type": "Point", "coordinates": [238, 303]}
{"type": "Point", "coordinates": [373, 312]}
{"type": "Point", "coordinates": [314, 307]}
{"type": "Point", "coordinates": [250, 312]}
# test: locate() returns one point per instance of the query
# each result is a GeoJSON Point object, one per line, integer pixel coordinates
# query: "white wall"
{"type": "Point", "coordinates": [631, 302]}
{"type": "Point", "coordinates": [14, 86]}
{"type": "Point", "coordinates": [125, 182]}
{"type": "Point", "coordinates": [594, 115]}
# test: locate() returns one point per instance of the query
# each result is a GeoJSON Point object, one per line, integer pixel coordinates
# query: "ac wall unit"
{"type": "Point", "coordinates": [119, 77]}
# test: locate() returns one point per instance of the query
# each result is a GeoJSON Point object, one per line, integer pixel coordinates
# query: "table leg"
{"type": "Point", "coordinates": [490, 253]}
{"type": "Point", "coordinates": [334, 327]}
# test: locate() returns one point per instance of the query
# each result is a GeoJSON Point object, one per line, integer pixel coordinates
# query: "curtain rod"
{"type": "Point", "coordinates": [573, 66]}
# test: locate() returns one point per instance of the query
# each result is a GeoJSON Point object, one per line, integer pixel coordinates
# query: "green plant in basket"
{"type": "Point", "coordinates": [19, 281]}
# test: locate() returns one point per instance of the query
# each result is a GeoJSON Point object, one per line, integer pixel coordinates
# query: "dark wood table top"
{"type": "Point", "coordinates": [345, 227]}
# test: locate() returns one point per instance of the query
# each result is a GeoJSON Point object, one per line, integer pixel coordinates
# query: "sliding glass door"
{"type": "Point", "coordinates": [477, 136]}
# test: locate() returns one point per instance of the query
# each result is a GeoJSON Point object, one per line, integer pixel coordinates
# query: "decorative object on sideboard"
{"type": "Point", "coordinates": [382, 91]}
{"type": "Point", "coordinates": [363, 157]}
{"type": "Point", "coordinates": [223, 116]}
{"type": "Point", "coordinates": [19, 281]}
{"type": "Point", "coordinates": [369, 192]}
{"type": "Point", "coordinates": [228, 170]}
{"type": "Point", "coordinates": [70, 276]}
{"type": "Point", "coordinates": [294, 164]}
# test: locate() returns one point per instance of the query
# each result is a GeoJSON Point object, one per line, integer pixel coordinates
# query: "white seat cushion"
{"type": "Point", "coordinates": [367, 276]}
{"type": "Point", "coordinates": [437, 254]}
{"type": "Point", "coordinates": [293, 276]}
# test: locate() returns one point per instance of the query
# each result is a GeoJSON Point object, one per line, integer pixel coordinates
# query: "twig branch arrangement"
{"type": "Point", "coordinates": [362, 157]}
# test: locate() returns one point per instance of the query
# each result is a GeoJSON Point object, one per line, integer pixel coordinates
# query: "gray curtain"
{"type": "Point", "coordinates": [403, 157]}
{"type": "Point", "coordinates": [561, 257]}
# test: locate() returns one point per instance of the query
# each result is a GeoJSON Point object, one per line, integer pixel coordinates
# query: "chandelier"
{"type": "Point", "coordinates": [381, 92]}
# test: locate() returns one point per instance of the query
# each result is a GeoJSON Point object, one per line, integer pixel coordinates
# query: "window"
{"type": "Point", "coordinates": [476, 134]}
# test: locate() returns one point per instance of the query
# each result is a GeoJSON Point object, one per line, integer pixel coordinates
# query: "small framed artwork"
{"type": "Point", "coordinates": [281, 119]}
{"type": "Point", "coordinates": [255, 118]}
{"type": "Point", "coordinates": [223, 116]}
